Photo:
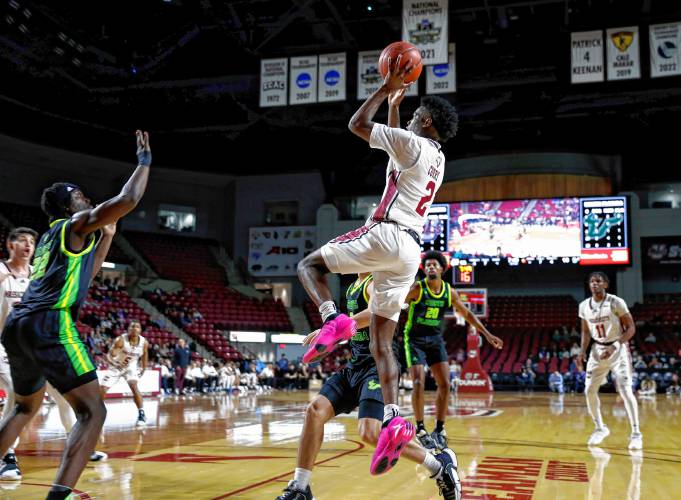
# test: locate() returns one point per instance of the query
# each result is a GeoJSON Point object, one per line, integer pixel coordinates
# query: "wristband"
{"type": "Point", "coordinates": [143, 157]}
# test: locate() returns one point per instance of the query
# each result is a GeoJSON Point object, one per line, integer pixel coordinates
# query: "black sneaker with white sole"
{"type": "Point", "coordinates": [426, 441]}
{"type": "Point", "coordinates": [447, 479]}
{"type": "Point", "coordinates": [9, 471]}
{"type": "Point", "coordinates": [440, 439]}
{"type": "Point", "coordinates": [294, 492]}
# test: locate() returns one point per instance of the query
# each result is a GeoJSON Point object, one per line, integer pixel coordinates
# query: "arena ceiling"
{"type": "Point", "coordinates": [82, 75]}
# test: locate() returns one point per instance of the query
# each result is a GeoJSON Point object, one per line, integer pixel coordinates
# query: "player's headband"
{"type": "Point", "coordinates": [63, 193]}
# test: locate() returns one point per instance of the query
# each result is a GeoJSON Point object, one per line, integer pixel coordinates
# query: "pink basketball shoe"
{"type": "Point", "coordinates": [391, 442]}
{"type": "Point", "coordinates": [332, 333]}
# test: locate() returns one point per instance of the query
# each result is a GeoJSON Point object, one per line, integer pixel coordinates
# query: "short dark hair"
{"type": "Point", "coordinates": [445, 117]}
{"type": "Point", "coordinates": [600, 274]}
{"type": "Point", "coordinates": [18, 231]}
{"type": "Point", "coordinates": [53, 202]}
{"type": "Point", "coordinates": [434, 255]}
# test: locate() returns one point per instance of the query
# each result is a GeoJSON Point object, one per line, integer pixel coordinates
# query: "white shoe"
{"type": "Point", "coordinates": [98, 456]}
{"type": "Point", "coordinates": [598, 436]}
{"type": "Point", "coordinates": [636, 441]}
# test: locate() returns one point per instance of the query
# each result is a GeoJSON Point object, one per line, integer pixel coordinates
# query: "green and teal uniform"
{"type": "Point", "coordinates": [356, 384]}
{"type": "Point", "coordinates": [423, 340]}
{"type": "Point", "coordinates": [40, 334]}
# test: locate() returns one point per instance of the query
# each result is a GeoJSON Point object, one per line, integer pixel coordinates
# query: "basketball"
{"type": "Point", "coordinates": [411, 55]}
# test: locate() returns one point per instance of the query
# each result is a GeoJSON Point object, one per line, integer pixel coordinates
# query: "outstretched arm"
{"type": "Point", "coordinates": [86, 222]}
{"type": "Point", "coordinates": [473, 320]}
{"type": "Point", "coordinates": [361, 124]}
{"type": "Point", "coordinates": [103, 248]}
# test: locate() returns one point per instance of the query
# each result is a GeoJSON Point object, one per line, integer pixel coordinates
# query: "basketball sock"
{"type": "Point", "coordinates": [593, 404]}
{"type": "Point", "coordinates": [302, 478]}
{"type": "Point", "coordinates": [419, 426]}
{"type": "Point", "coordinates": [389, 412]}
{"type": "Point", "coordinates": [439, 426]}
{"type": "Point", "coordinates": [58, 492]}
{"type": "Point", "coordinates": [431, 463]}
{"type": "Point", "coordinates": [328, 310]}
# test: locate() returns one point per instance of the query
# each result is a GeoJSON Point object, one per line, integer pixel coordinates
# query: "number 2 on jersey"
{"type": "Point", "coordinates": [421, 208]}
{"type": "Point", "coordinates": [600, 331]}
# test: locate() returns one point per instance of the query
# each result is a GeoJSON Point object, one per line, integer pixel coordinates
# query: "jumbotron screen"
{"type": "Point", "coordinates": [586, 231]}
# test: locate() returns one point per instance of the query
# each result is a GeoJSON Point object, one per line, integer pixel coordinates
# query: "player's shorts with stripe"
{"type": "Point", "coordinates": [45, 345]}
{"type": "Point", "coordinates": [129, 373]}
{"type": "Point", "coordinates": [428, 350]}
{"type": "Point", "coordinates": [619, 364]}
{"type": "Point", "coordinates": [352, 387]}
{"type": "Point", "coordinates": [388, 251]}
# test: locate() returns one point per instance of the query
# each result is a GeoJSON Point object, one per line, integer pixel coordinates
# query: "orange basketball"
{"type": "Point", "coordinates": [410, 56]}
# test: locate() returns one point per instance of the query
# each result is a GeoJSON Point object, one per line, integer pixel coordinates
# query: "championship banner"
{"type": "Point", "coordinates": [273, 74]}
{"type": "Point", "coordinates": [441, 78]}
{"type": "Point", "coordinates": [624, 58]}
{"type": "Point", "coordinates": [661, 250]}
{"type": "Point", "coordinates": [303, 80]}
{"type": "Point", "coordinates": [665, 40]}
{"type": "Point", "coordinates": [332, 77]}
{"type": "Point", "coordinates": [587, 57]}
{"type": "Point", "coordinates": [425, 24]}
{"type": "Point", "coordinates": [368, 77]}
{"type": "Point", "coordinates": [276, 251]}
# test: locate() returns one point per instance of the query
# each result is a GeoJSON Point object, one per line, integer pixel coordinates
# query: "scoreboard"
{"type": "Point", "coordinates": [603, 227]}
{"type": "Point", "coordinates": [464, 274]}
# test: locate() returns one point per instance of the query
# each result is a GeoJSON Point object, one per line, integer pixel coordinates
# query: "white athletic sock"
{"type": "Point", "coordinates": [302, 477]}
{"type": "Point", "coordinates": [431, 463]}
{"type": "Point", "coordinates": [390, 411]}
{"type": "Point", "coordinates": [10, 451]}
{"type": "Point", "coordinates": [631, 406]}
{"type": "Point", "coordinates": [593, 404]}
{"type": "Point", "coordinates": [327, 309]}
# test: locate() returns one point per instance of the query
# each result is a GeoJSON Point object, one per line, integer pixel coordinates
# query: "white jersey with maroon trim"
{"type": "Point", "coordinates": [603, 317]}
{"type": "Point", "coordinates": [12, 289]}
{"type": "Point", "coordinates": [413, 176]}
{"type": "Point", "coordinates": [130, 354]}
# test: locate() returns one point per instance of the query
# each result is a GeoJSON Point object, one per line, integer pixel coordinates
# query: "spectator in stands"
{"type": "Point", "coordinates": [181, 357]}
{"type": "Point", "coordinates": [166, 376]}
{"type": "Point", "coordinates": [650, 338]}
{"type": "Point", "coordinates": [196, 315]}
{"type": "Point", "coordinates": [639, 364]}
{"type": "Point", "coordinates": [291, 377]}
{"type": "Point", "coordinates": [210, 375]}
{"type": "Point", "coordinates": [266, 376]}
{"type": "Point", "coordinates": [460, 355]}
{"type": "Point", "coordinates": [575, 350]}
{"type": "Point", "coordinates": [249, 377]}
{"type": "Point", "coordinates": [525, 379]}
{"type": "Point", "coordinates": [674, 386]}
{"type": "Point", "coordinates": [578, 379]}
{"type": "Point", "coordinates": [454, 374]}
{"type": "Point", "coordinates": [648, 388]}
{"type": "Point", "coordinates": [556, 382]}
{"type": "Point", "coordinates": [543, 354]}
{"type": "Point", "coordinates": [317, 373]}
{"type": "Point", "coordinates": [283, 363]}
{"type": "Point", "coordinates": [303, 376]}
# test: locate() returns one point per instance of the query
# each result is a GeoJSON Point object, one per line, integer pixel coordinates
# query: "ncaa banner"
{"type": "Point", "coordinates": [665, 41]}
{"type": "Point", "coordinates": [273, 75]}
{"type": "Point", "coordinates": [624, 60]}
{"type": "Point", "coordinates": [368, 77]}
{"type": "Point", "coordinates": [425, 24]}
{"type": "Point", "coordinates": [303, 80]}
{"type": "Point", "coordinates": [276, 251]}
{"type": "Point", "coordinates": [441, 78]}
{"type": "Point", "coordinates": [332, 77]}
{"type": "Point", "coordinates": [587, 57]}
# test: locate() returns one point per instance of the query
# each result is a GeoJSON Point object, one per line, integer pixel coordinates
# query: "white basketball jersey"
{"type": "Point", "coordinates": [603, 317]}
{"type": "Point", "coordinates": [130, 354]}
{"type": "Point", "coordinates": [11, 290]}
{"type": "Point", "coordinates": [414, 174]}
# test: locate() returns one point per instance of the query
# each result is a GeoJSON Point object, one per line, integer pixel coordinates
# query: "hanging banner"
{"type": "Point", "coordinates": [332, 77]}
{"type": "Point", "coordinates": [665, 41]}
{"type": "Point", "coordinates": [368, 76]}
{"type": "Point", "coordinates": [276, 250]}
{"type": "Point", "coordinates": [624, 59]}
{"type": "Point", "coordinates": [587, 57]}
{"type": "Point", "coordinates": [441, 78]}
{"type": "Point", "coordinates": [273, 74]}
{"type": "Point", "coordinates": [425, 24]}
{"type": "Point", "coordinates": [303, 80]}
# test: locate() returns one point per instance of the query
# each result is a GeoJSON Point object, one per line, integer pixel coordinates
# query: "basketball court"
{"type": "Point", "coordinates": [509, 445]}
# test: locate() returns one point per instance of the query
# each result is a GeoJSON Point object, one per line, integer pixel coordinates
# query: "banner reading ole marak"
{"type": "Point", "coordinates": [426, 25]}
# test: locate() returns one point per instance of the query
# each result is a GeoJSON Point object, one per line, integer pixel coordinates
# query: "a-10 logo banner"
{"type": "Point", "coordinates": [276, 251]}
